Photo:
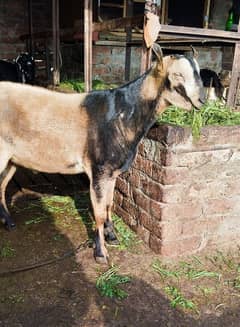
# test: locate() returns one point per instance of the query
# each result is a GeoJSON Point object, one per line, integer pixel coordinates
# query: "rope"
{"type": "Point", "coordinates": [80, 247]}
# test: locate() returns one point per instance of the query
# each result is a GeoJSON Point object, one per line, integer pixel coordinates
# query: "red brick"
{"type": "Point", "coordinates": [155, 190]}
{"type": "Point", "coordinates": [218, 206]}
{"type": "Point", "coordinates": [174, 175]}
{"type": "Point", "coordinates": [181, 211]}
{"type": "Point", "coordinates": [128, 219]}
{"type": "Point", "coordinates": [146, 220]}
{"type": "Point", "coordinates": [130, 207]}
{"type": "Point", "coordinates": [122, 186]}
{"type": "Point", "coordinates": [118, 197]}
{"type": "Point", "coordinates": [157, 172]}
{"type": "Point", "coordinates": [155, 244]}
{"type": "Point", "coordinates": [143, 164]}
{"type": "Point", "coordinates": [134, 178]}
{"type": "Point", "coordinates": [143, 233]}
{"type": "Point", "coordinates": [156, 209]}
{"type": "Point", "coordinates": [143, 183]}
{"type": "Point", "coordinates": [184, 247]}
{"type": "Point", "coordinates": [141, 200]}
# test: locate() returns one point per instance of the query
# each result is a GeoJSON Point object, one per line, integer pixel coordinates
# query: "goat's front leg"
{"type": "Point", "coordinates": [101, 193]}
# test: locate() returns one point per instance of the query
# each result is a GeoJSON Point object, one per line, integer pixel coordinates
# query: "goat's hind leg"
{"type": "Point", "coordinates": [109, 234]}
{"type": "Point", "coordinates": [5, 177]}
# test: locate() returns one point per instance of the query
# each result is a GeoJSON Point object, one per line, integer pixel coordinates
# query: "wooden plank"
{"type": "Point", "coordinates": [122, 22]}
{"type": "Point", "coordinates": [200, 32]}
{"type": "Point", "coordinates": [56, 42]}
{"type": "Point", "coordinates": [88, 45]}
{"type": "Point", "coordinates": [234, 85]}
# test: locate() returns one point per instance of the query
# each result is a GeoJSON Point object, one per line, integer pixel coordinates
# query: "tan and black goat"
{"type": "Point", "coordinates": [96, 133]}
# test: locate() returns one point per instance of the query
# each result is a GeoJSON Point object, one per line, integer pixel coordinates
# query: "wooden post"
{"type": "Point", "coordinates": [56, 42]}
{"type": "Point", "coordinates": [234, 84]}
{"type": "Point", "coordinates": [152, 7]}
{"type": "Point", "coordinates": [88, 45]}
{"type": "Point", "coordinates": [206, 13]}
{"type": "Point", "coordinates": [164, 12]}
{"type": "Point", "coordinates": [30, 28]}
{"type": "Point", "coordinates": [235, 79]}
{"type": "Point", "coordinates": [129, 12]}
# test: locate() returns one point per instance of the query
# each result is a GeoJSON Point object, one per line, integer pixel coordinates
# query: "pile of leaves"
{"type": "Point", "coordinates": [211, 113]}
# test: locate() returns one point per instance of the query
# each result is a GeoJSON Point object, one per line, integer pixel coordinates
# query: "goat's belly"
{"type": "Point", "coordinates": [50, 164]}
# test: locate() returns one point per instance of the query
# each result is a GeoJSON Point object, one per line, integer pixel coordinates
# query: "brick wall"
{"type": "Point", "coordinates": [180, 196]}
{"type": "Point", "coordinates": [109, 63]}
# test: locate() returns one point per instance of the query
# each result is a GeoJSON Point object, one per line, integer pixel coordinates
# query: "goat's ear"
{"type": "Point", "coordinates": [194, 52]}
{"type": "Point", "coordinates": [158, 52]}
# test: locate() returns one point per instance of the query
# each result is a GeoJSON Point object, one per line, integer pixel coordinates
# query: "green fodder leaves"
{"type": "Point", "coordinates": [177, 299]}
{"type": "Point", "coordinates": [108, 283]}
{"type": "Point", "coordinates": [78, 85]}
{"type": "Point", "coordinates": [211, 113]}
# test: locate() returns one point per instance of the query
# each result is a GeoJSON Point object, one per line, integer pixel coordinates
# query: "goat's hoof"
{"type": "Point", "coordinates": [113, 242]}
{"type": "Point", "coordinates": [102, 260]}
{"type": "Point", "coordinates": [9, 225]}
{"type": "Point", "coordinates": [111, 239]}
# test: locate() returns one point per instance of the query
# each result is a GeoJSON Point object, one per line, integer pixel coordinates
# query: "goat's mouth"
{"type": "Point", "coordinates": [197, 106]}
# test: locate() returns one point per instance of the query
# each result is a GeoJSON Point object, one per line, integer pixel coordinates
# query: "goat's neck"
{"type": "Point", "coordinates": [142, 100]}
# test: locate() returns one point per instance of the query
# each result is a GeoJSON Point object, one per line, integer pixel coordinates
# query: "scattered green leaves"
{"type": "Point", "coordinates": [177, 299]}
{"type": "Point", "coordinates": [108, 283]}
{"type": "Point", "coordinates": [191, 272]}
{"type": "Point", "coordinates": [36, 220]}
{"type": "Point", "coordinates": [7, 251]}
{"type": "Point", "coordinates": [12, 299]}
{"type": "Point", "coordinates": [126, 236]}
{"type": "Point", "coordinates": [163, 271]}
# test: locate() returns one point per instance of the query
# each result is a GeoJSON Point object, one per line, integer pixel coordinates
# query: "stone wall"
{"type": "Point", "coordinates": [181, 196]}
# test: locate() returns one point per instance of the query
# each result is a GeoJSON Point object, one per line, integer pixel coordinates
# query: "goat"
{"type": "Point", "coordinates": [212, 84]}
{"type": "Point", "coordinates": [96, 132]}
{"type": "Point", "coordinates": [22, 70]}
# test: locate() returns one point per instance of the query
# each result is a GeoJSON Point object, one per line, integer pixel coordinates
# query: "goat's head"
{"type": "Point", "coordinates": [27, 67]}
{"type": "Point", "coordinates": [182, 84]}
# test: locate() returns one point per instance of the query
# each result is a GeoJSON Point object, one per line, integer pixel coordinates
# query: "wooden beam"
{"type": "Point", "coordinates": [30, 28]}
{"type": "Point", "coordinates": [122, 22]}
{"type": "Point", "coordinates": [200, 32]}
{"type": "Point", "coordinates": [56, 42]}
{"type": "Point", "coordinates": [88, 45]}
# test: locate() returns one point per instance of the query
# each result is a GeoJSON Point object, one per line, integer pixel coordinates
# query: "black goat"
{"type": "Point", "coordinates": [22, 70]}
{"type": "Point", "coordinates": [212, 84]}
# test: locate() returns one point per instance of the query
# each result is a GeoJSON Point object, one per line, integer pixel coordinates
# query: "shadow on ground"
{"type": "Point", "coordinates": [64, 294]}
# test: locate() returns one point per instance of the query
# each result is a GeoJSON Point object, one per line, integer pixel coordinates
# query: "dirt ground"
{"type": "Point", "coordinates": [65, 293]}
